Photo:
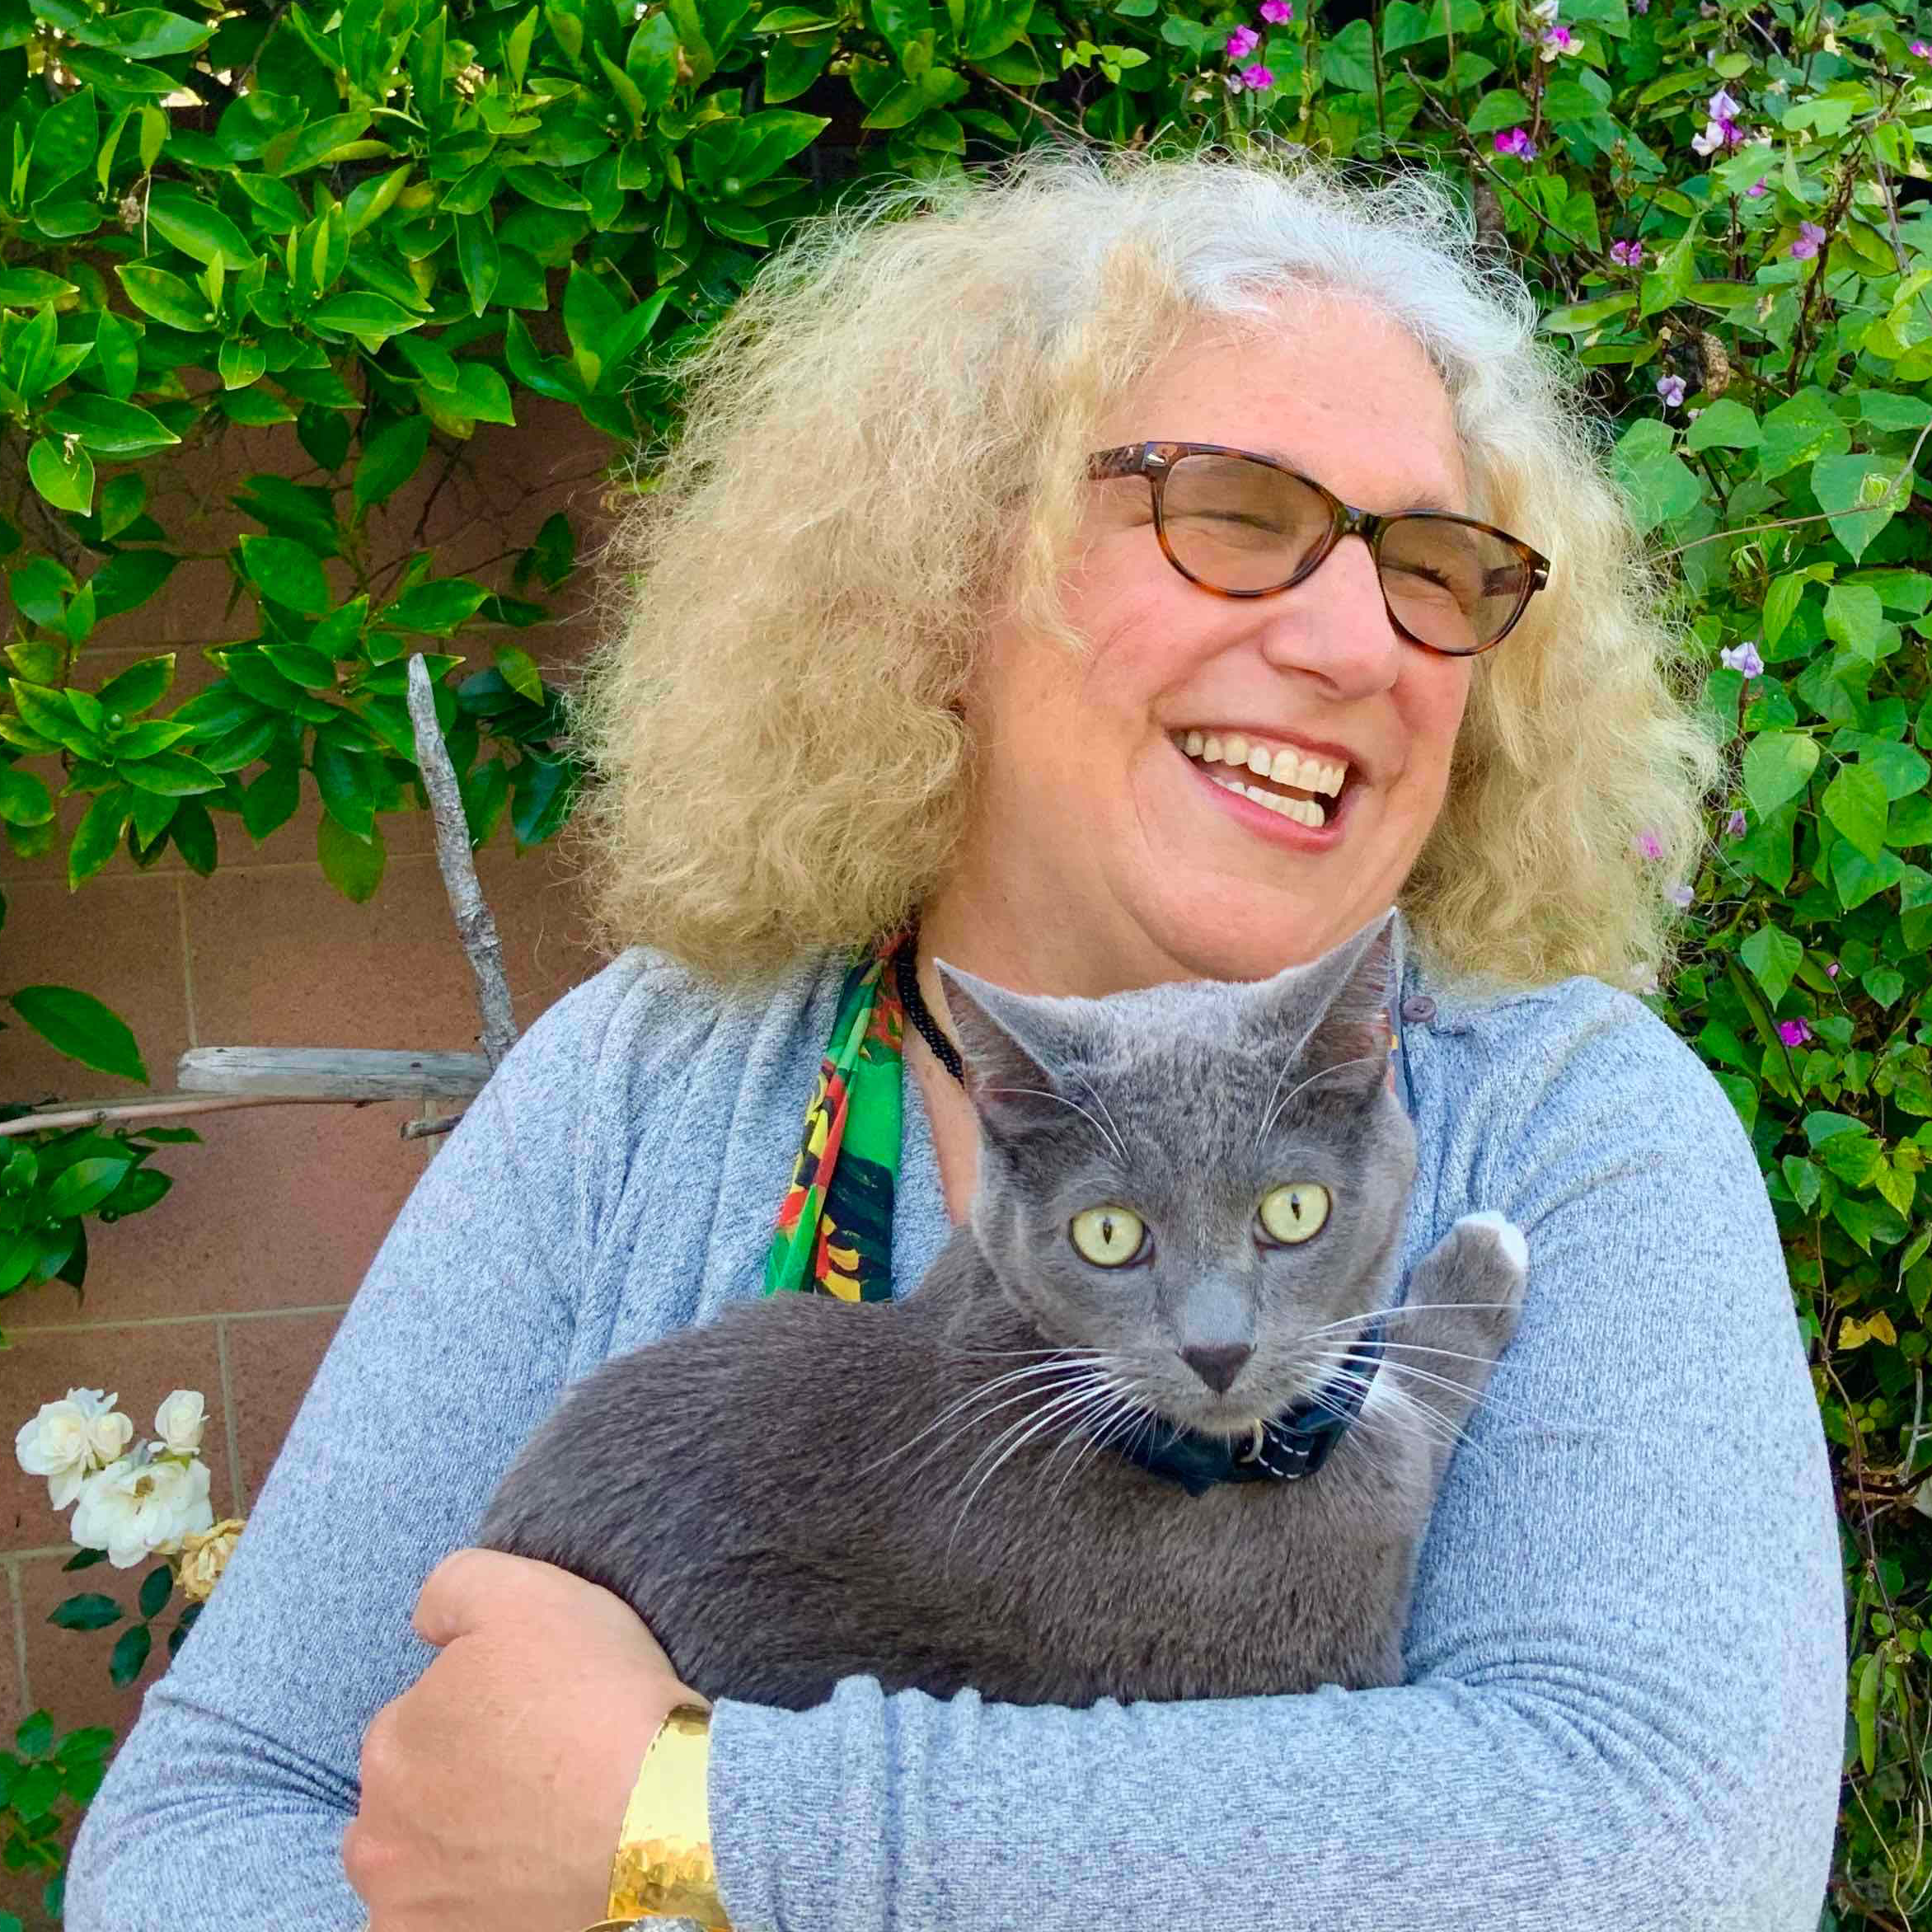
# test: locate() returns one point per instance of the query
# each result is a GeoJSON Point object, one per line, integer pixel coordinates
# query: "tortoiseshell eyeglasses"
{"type": "Point", "coordinates": [1243, 525]}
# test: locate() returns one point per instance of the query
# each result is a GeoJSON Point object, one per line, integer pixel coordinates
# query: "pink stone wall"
{"type": "Point", "coordinates": [234, 1283]}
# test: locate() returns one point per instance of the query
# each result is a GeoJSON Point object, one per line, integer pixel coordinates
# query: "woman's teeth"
{"type": "Point", "coordinates": [1284, 766]}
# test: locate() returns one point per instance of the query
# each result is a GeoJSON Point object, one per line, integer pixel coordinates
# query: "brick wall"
{"type": "Point", "coordinates": [233, 1284]}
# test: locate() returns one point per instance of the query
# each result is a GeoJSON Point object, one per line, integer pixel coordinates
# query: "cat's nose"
{"type": "Point", "coordinates": [1218, 1366]}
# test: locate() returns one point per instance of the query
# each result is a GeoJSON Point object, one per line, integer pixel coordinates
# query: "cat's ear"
{"type": "Point", "coordinates": [1007, 1049]}
{"type": "Point", "coordinates": [1339, 1006]}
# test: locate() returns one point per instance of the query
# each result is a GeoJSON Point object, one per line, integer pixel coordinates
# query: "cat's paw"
{"type": "Point", "coordinates": [1508, 1237]}
{"type": "Point", "coordinates": [1486, 1265]}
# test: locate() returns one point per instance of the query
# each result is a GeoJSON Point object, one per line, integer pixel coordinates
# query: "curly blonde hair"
{"type": "Point", "coordinates": [886, 437]}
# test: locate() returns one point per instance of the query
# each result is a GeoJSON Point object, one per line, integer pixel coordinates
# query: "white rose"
{"type": "Point", "coordinates": [59, 1443]}
{"type": "Point", "coordinates": [179, 1421]}
{"type": "Point", "coordinates": [139, 1508]}
{"type": "Point", "coordinates": [110, 1435]}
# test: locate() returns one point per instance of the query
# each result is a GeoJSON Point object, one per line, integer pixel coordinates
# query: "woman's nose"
{"type": "Point", "coordinates": [1334, 625]}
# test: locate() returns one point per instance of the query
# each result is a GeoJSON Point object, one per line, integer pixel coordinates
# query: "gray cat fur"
{"type": "Point", "coordinates": [804, 1489]}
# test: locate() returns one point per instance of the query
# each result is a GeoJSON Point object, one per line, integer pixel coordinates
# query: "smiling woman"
{"type": "Point", "coordinates": [1119, 574]}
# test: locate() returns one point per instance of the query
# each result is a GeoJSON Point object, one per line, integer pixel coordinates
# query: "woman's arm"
{"type": "Point", "coordinates": [1626, 1650]}
{"type": "Point", "coordinates": [226, 1805]}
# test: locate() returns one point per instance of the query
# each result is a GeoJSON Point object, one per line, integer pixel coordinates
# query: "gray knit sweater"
{"type": "Point", "coordinates": [1624, 1703]}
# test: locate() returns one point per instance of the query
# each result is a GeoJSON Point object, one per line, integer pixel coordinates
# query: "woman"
{"type": "Point", "coordinates": [911, 644]}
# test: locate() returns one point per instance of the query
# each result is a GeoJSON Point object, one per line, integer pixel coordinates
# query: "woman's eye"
{"type": "Point", "coordinates": [1292, 1213]}
{"type": "Point", "coordinates": [1109, 1237]}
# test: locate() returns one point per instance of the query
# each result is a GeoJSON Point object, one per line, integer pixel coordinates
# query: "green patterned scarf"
{"type": "Point", "coordinates": [834, 1231]}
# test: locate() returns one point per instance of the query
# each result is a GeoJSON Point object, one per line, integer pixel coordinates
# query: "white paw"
{"type": "Point", "coordinates": [1509, 1237]}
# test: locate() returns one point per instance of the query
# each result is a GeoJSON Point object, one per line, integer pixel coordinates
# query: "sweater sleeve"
{"type": "Point", "coordinates": [226, 1803]}
{"type": "Point", "coordinates": [1624, 1696]}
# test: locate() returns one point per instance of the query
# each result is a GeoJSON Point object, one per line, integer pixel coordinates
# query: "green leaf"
{"type": "Point", "coordinates": [77, 1025]}
{"type": "Point", "coordinates": [1854, 801]}
{"type": "Point", "coordinates": [64, 474]}
{"type": "Point", "coordinates": [481, 394]}
{"type": "Point", "coordinates": [141, 684]}
{"type": "Point", "coordinates": [352, 866]}
{"type": "Point", "coordinates": [1778, 766]}
{"type": "Point", "coordinates": [241, 363]}
{"type": "Point", "coordinates": [1501, 107]}
{"type": "Point", "coordinates": [1858, 494]}
{"type": "Point", "coordinates": [1773, 957]}
{"type": "Point", "coordinates": [476, 259]}
{"type": "Point", "coordinates": [1854, 618]}
{"type": "Point", "coordinates": [130, 1652]}
{"type": "Point", "coordinates": [1856, 878]}
{"type": "Point", "coordinates": [29, 287]}
{"type": "Point", "coordinates": [1799, 431]}
{"type": "Point", "coordinates": [23, 799]}
{"type": "Point", "coordinates": [368, 317]}
{"type": "Point", "coordinates": [172, 773]}
{"type": "Point", "coordinates": [108, 428]}
{"type": "Point", "coordinates": [286, 572]}
{"type": "Point", "coordinates": [166, 297]}
{"type": "Point", "coordinates": [389, 459]}
{"type": "Point", "coordinates": [437, 608]}
{"type": "Point", "coordinates": [90, 1612]}
{"type": "Point", "coordinates": [271, 801]}
{"type": "Point", "coordinates": [343, 780]}
{"type": "Point", "coordinates": [196, 226]}
{"type": "Point", "coordinates": [85, 1185]}
{"type": "Point", "coordinates": [65, 141]}
{"type": "Point", "coordinates": [157, 1586]}
{"type": "Point", "coordinates": [1725, 424]}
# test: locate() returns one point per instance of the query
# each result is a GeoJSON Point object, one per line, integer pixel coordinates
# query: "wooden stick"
{"type": "Point", "coordinates": [160, 1106]}
{"type": "Point", "coordinates": [331, 1073]}
{"type": "Point", "coordinates": [474, 925]}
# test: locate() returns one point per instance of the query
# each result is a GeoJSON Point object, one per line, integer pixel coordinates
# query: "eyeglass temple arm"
{"type": "Point", "coordinates": [1128, 461]}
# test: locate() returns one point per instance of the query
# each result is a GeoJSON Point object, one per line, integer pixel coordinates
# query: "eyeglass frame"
{"type": "Point", "coordinates": [1156, 460]}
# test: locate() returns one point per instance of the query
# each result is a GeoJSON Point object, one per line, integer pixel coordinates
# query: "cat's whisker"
{"type": "Point", "coordinates": [1094, 1430]}
{"type": "Point", "coordinates": [1444, 1434]}
{"type": "Point", "coordinates": [1483, 1399]}
{"type": "Point", "coordinates": [1119, 1145]}
{"type": "Point", "coordinates": [1369, 1315]}
{"type": "Point", "coordinates": [1030, 1429]}
{"type": "Point", "coordinates": [1037, 1372]}
{"type": "Point", "coordinates": [1046, 1093]}
{"type": "Point", "coordinates": [1273, 1112]}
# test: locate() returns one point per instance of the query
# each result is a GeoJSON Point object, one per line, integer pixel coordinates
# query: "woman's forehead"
{"type": "Point", "coordinates": [1327, 383]}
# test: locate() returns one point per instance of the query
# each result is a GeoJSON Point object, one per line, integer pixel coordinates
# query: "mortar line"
{"type": "Point", "coordinates": [20, 1630]}
{"type": "Point", "coordinates": [187, 960]}
{"type": "Point", "coordinates": [153, 1321]}
{"type": "Point", "coordinates": [227, 1386]}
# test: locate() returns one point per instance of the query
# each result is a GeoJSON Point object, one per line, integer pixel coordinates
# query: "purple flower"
{"type": "Point", "coordinates": [1757, 191]}
{"type": "Point", "coordinates": [1558, 40]}
{"type": "Point", "coordinates": [1721, 131]}
{"type": "Point", "coordinates": [1922, 49]}
{"type": "Point", "coordinates": [1639, 6]}
{"type": "Point", "coordinates": [1794, 1032]}
{"type": "Point", "coordinates": [1629, 255]}
{"type": "Point", "coordinates": [1681, 895]}
{"type": "Point", "coordinates": [1646, 845]}
{"type": "Point", "coordinates": [1734, 826]}
{"type": "Point", "coordinates": [1723, 107]}
{"type": "Point", "coordinates": [1257, 76]}
{"type": "Point", "coordinates": [1743, 658]}
{"type": "Point", "coordinates": [1831, 971]}
{"type": "Point", "coordinates": [1516, 141]}
{"type": "Point", "coordinates": [1277, 12]}
{"type": "Point", "coordinates": [1671, 389]}
{"type": "Point", "coordinates": [1241, 43]}
{"type": "Point", "coordinates": [1809, 235]}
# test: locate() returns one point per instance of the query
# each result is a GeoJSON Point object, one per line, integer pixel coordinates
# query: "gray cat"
{"type": "Point", "coordinates": [1190, 1204]}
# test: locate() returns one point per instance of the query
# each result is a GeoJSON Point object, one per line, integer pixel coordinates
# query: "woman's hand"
{"type": "Point", "coordinates": [493, 1789]}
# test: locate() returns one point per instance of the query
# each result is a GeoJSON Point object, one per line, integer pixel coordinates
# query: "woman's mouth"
{"type": "Point", "coordinates": [1272, 787]}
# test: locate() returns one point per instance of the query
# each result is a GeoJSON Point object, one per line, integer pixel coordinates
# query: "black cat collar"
{"type": "Point", "coordinates": [1295, 1444]}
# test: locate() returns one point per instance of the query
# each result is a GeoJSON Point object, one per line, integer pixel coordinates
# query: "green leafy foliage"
{"type": "Point", "coordinates": [381, 227]}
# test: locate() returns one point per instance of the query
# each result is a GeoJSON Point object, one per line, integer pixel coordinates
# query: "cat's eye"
{"type": "Point", "coordinates": [1109, 1237]}
{"type": "Point", "coordinates": [1293, 1212]}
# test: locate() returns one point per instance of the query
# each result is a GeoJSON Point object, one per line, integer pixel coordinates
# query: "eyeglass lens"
{"type": "Point", "coordinates": [1239, 525]}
